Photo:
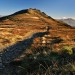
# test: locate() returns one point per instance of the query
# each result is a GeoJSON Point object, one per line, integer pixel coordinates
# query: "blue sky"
{"type": "Point", "coordinates": [54, 8]}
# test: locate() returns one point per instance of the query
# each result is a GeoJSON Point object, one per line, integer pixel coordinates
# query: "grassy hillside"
{"type": "Point", "coordinates": [34, 43]}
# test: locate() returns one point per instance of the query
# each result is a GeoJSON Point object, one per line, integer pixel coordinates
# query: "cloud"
{"type": "Point", "coordinates": [64, 17]}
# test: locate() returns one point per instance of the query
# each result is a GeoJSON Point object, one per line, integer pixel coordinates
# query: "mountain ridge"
{"type": "Point", "coordinates": [69, 21]}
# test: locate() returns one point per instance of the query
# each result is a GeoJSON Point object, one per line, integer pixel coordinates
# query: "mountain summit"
{"type": "Point", "coordinates": [27, 13]}
{"type": "Point", "coordinates": [31, 11]}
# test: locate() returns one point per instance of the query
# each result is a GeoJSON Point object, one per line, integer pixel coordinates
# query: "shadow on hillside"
{"type": "Point", "coordinates": [12, 52]}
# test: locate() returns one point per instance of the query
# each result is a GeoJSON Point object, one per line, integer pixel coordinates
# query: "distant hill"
{"type": "Point", "coordinates": [69, 21]}
{"type": "Point", "coordinates": [0, 15]}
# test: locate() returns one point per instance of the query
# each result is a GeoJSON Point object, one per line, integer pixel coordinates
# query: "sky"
{"type": "Point", "coordinates": [53, 8]}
